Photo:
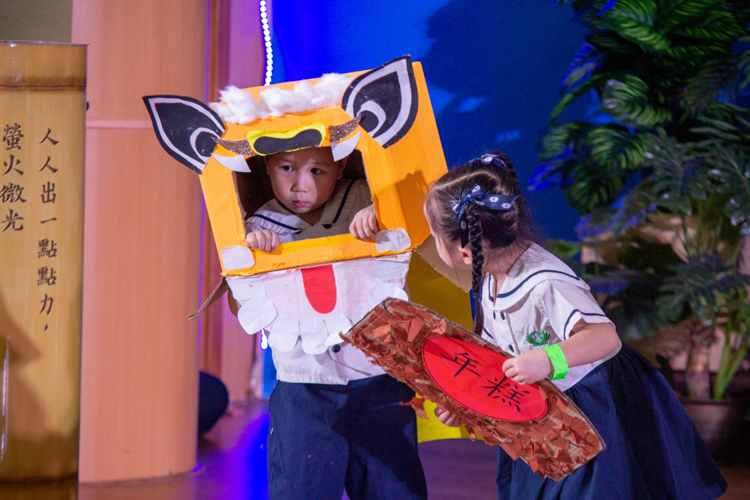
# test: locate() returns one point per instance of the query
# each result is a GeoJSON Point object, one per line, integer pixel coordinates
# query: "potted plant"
{"type": "Point", "coordinates": [661, 174]}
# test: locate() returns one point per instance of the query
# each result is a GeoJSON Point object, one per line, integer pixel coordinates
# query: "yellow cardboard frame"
{"type": "Point", "coordinates": [398, 178]}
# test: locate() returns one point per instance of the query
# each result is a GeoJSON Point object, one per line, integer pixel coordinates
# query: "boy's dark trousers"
{"type": "Point", "coordinates": [324, 437]}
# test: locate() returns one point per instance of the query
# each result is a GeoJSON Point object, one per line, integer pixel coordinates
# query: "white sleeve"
{"type": "Point", "coordinates": [251, 226]}
{"type": "Point", "coordinates": [565, 304]}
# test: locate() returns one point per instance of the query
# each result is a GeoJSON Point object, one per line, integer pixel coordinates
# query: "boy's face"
{"type": "Point", "coordinates": [304, 180]}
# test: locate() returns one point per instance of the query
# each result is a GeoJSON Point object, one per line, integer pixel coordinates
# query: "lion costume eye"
{"type": "Point", "coordinates": [386, 101]}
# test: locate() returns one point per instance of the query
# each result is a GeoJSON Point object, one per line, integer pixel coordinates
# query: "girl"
{"type": "Point", "coordinates": [534, 306]}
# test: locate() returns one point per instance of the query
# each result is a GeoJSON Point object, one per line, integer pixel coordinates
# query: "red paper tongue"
{"type": "Point", "coordinates": [473, 376]}
{"type": "Point", "coordinates": [320, 287]}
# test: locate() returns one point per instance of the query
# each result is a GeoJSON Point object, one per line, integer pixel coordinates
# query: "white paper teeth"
{"type": "Point", "coordinates": [237, 257]}
{"type": "Point", "coordinates": [314, 334]}
{"type": "Point", "coordinates": [284, 334]}
{"type": "Point", "coordinates": [256, 314]}
{"type": "Point", "coordinates": [395, 240]}
{"type": "Point", "coordinates": [336, 325]}
{"type": "Point", "coordinates": [334, 339]}
{"type": "Point", "coordinates": [343, 149]}
{"type": "Point", "coordinates": [360, 312]}
{"type": "Point", "coordinates": [381, 290]}
{"type": "Point", "coordinates": [236, 163]}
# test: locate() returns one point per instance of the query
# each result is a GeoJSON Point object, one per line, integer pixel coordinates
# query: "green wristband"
{"type": "Point", "coordinates": [559, 363]}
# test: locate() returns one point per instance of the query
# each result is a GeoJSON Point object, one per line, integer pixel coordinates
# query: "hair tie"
{"type": "Point", "coordinates": [496, 160]}
{"type": "Point", "coordinates": [498, 202]}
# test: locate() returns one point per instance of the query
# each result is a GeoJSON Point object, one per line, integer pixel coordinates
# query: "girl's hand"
{"type": "Point", "coordinates": [262, 239]}
{"type": "Point", "coordinates": [364, 225]}
{"type": "Point", "coordinates": [529, 367]}
{"type": "Point", "coordinates": [447, 418]}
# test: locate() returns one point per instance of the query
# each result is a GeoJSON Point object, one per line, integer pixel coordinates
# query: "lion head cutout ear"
{"type": "Point", "coordinates": [386, 101]}
{"type": "Point", "coordinates": [185, 127]}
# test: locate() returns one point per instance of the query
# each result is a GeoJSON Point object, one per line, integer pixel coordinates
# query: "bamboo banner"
{"type": "Point", "coordinates": [42, 106]}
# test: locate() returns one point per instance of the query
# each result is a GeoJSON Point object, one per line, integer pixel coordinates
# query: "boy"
{"type": "Point", "coordinates": [336, 419]}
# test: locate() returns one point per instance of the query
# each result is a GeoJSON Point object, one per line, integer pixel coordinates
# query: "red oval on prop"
{"type": "Point", "coordinates": [320, 287]}
{"type": "Point", "coordinates": [473, 376]}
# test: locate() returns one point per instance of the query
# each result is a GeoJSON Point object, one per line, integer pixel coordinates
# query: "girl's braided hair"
{"type": "Point", "coordinates": [488, 229]}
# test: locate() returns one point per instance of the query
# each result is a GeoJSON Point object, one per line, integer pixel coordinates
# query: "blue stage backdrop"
{"type": "Point", "coordinates": [493, 69]}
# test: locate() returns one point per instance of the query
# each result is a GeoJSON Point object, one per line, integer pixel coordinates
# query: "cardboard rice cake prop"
{"type": "Point", "coordinates": [462, 373]}
{"type": "Point", "coordinates": [306, 292]}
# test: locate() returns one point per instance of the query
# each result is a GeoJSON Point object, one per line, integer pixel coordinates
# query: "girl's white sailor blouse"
{"type": "Point", "coordinates": [537, 305]}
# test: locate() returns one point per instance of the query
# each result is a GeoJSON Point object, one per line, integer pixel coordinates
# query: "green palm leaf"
{"type": "Point", "coordinates": [561, 138]}
{"type": "Point", "coordinates": [726, 122]}
{"type": "Point", "coordinates": [694, 55]}
{"type": "Point", "coordinates": [718, 26]}
{"type": "Point", "coordinates": [627, 99]}
{"type": "Point", "coordinates": [614, 146]}
{"type": "Point", "coordinates": [698, 285]}
{"type": "Point", "coordinates": [572, 96]}
{"type": "Point", "coordinates": [610, 43]}
{"type": "Point", "coordinates": [701, 89]}
{"type": "Point", "coordinates": [634, 21]}
{"type": "Point", "coordinates": [731, 169]}
{"type": "Point", "coordinates": [743, 65]}
{"type": "Point", "coordinates": [593, 188]}
{"type": "Point", "coordinates": [585, 62]}
{"type": "Point", "coordinates": [672, 13]}
{"type": "Point", "coordinates": [560, 150]}
{"type": "Point", "coordinates": [679, 174]}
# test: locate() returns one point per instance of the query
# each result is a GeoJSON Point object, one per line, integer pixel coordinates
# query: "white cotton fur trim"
{"type": "Point", "coordinates": [240, 107]}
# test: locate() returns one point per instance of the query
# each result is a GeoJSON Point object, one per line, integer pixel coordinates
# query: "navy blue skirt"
{"type": "Point", "coordinates": [653, 450]}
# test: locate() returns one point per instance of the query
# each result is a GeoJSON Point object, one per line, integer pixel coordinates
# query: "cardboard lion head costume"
{"type": "Point", "coordinates": [381, 120]}
{"type": "Point", "coordinates": [384, 115]}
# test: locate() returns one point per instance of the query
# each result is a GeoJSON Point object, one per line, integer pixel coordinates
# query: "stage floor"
{"type": "Point", "coordinates": [231, 465]}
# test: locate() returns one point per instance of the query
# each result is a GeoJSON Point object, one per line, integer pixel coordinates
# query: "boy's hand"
{"type": "Point", "coordinates": [447, 418]}
{"type": "Point", "coordinates": [262, 239]}
{"type": "Point", "coordinates": [364, 225]}
{"type": "Point", "coordinates": [529, 367]}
